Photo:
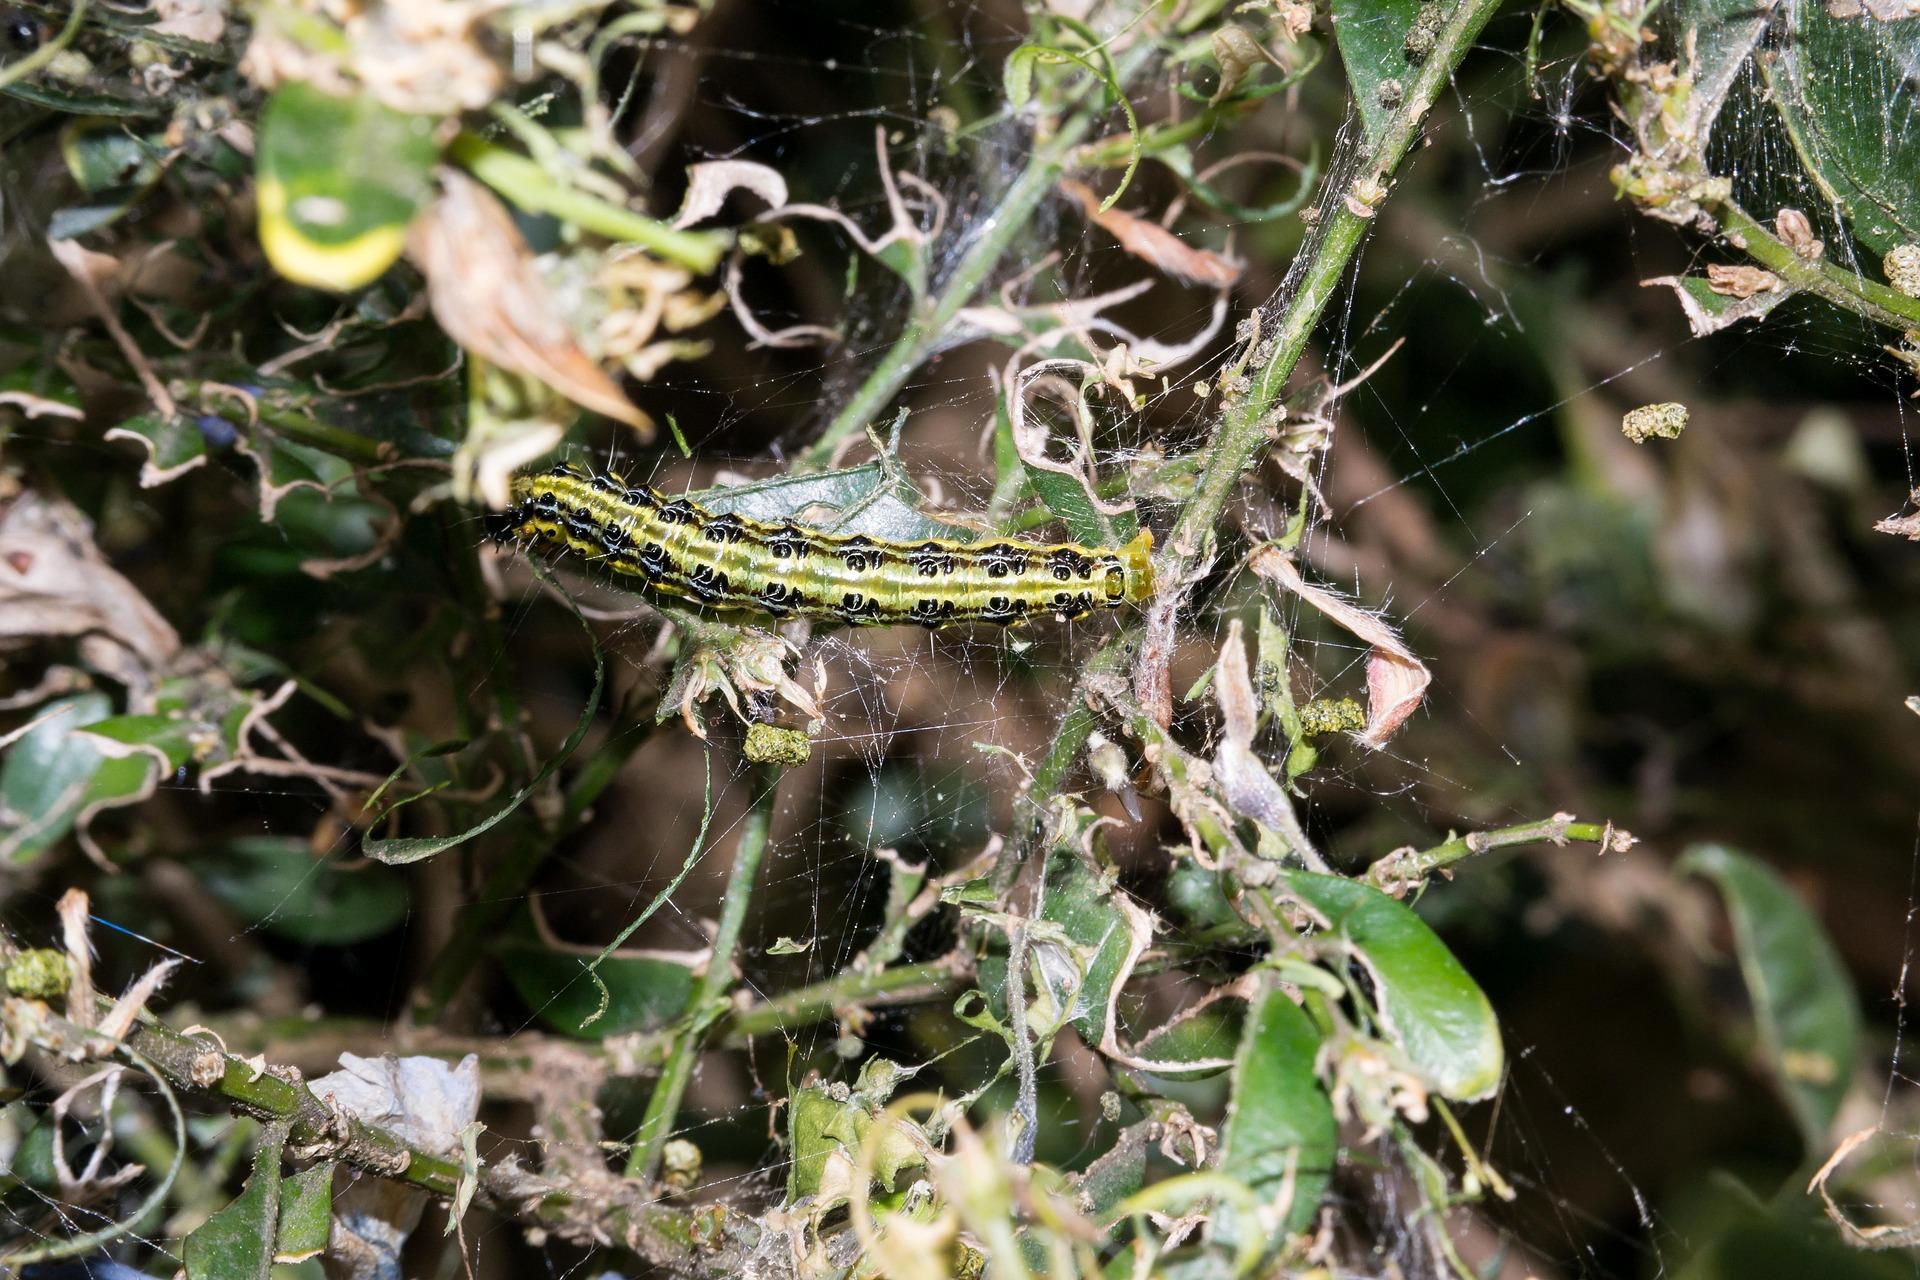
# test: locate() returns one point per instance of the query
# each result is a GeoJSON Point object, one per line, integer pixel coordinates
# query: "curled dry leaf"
{"type": "Point", "coordinates": [1903, 526]}
{"type": "Point", "coordinates": [709, 184]}
{"type": "Point", "coordinates": [1396, 679]}
{"type": "Point", "coordinates": [55, 582]}
{"type": "Point", "coordinates": [1246, 785]}
{"type": "Point", "coordinates": [1154, 244]}
{"type": "Point", "coordinates": [489, 298]}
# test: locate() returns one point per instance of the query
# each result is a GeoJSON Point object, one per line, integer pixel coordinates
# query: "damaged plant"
{"type": "Point", "coordinates": [362, 562]}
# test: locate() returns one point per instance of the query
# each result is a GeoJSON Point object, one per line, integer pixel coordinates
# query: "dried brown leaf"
{"type": "Point", "coordinates": [1396, 680]}
{"type": "Point", "coordinates": [1154, 244]}
{"type": "Point", "coordinates": [55, 582]}
{"type": "Point", "coordinates": [489, 298]}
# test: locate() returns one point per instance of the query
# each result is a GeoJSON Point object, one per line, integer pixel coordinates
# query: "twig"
{"type": "Point", "coordinates": [532, 188]}
{"type": "Point", "coordinates": [1843, 288]}
{"type": "Point", "coordinates": [1241, 435]}
{"type": "Point", "coordinates": [709, 1001]}
{"type": "Point", "coordinates": [1407, 867]}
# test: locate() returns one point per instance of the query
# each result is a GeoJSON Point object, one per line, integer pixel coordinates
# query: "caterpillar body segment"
{"type": "Point", "coordinates": [676, 548]}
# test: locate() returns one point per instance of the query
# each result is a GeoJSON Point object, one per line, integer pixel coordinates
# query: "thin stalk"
{"type": "Point", "coordinates": [1817, 276]}
{"type": "Point", "coordinates": [1411, 867]}
{"type": "Point", "coordinates": [533, 189]}
{"type": "Point", "coordinates": [803, 1005]}
{"type": "Point", "coordinates": [709, 1002]}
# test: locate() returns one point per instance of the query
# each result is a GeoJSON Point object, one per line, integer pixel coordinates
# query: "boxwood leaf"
{"type": "Point", "coordinates": [1280, 1120]}
{"type": "Point", "coordinates": [339, 180]}
{"type": "Point", "coordinates": [1427, 1001]}
{"type": "Point", "coordinates": [1804, 1006]}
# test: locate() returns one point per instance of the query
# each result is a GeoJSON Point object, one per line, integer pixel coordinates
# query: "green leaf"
{"type": "Point", "coordinates": [830, 1123]}
{"type": "Point", "coordinates": [1428, 1003]}
{"type": "Point", "coordinates": [339, 180]}
{"type": "Point", "coordinates": [237, 1243]}
{"type": "Point", "coordinates": [875, 499]}
{"type": "Point", "coordinates": [1280, 1119]}
{"type": "Point", "coordinates": [171, 736]}
{"type": "Point", "coordinates": [1089, 948]}
{"type": "Point", "coordinates": [1720, 35]}
{"type": "Point", "coordinates": [104, 157]}
{"type": "Point", "coordinates": [1804, 1005]}
{"type": "Point", "coordinates": [115, 169]}
{"type": "Point", "coordinates": [57, 775]}
{"type": "Point", "coordinates": [1067, 499]}
{"type": "Point", "coordinates": [277, 883]}
{"type": "Point", "coordinates": [44, 775]}
{"type": "Point", "coordinates": [644, 991]}
{"type": "Point", "coordinates": [1374, 44]}
{"type": "Point", "coordinates": [306, 1214]}
{"type": "Point", "coordinates": [1842, 87]}
{"type": "Point", "coordinates": [1203, 1034]}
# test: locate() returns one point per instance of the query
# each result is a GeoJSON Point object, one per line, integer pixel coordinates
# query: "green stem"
{"type": "Point", "coordinates": [535, 190]}
{"type": "Point", "coordinates": [1411, 867]}
{"type": "Point", "coordinates": [1817, 276]}
{"type": "Point", "coordinates": [709, 1003]}
{"type": "Point", "coordinates": [804, 1005]}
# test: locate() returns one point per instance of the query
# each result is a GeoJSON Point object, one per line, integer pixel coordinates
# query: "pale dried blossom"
{"type": "Point", "coordinates": [423, 57]}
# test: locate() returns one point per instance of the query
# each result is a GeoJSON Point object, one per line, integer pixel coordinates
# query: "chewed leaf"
{"type": "Point", "coordinates": [1803, 1001]}
{"type": "Point", "coordinates": [1280, 1135]}
{"type": "Point", "coordinates": [339, 180]}
{"type": "Point", "coordinates": [49, 774]}
{"type": "Point", "coordinates": [1200, 1041]}
{"type": "Point", "coordinates": [174, 446]}
{"type": "Point", "coordinates": [871, 499]}
{"type": "Point", "coordinates": [1427, 1001]}
{"type": "Point", "coordinates": [1709, 311]}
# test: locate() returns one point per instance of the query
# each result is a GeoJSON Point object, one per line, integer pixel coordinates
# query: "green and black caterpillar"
{"type": "Point", "coordinates": [675, 547]}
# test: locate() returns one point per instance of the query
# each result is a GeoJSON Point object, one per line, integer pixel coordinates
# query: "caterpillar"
{"type": "Point", "coordinates": [675, 547]}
